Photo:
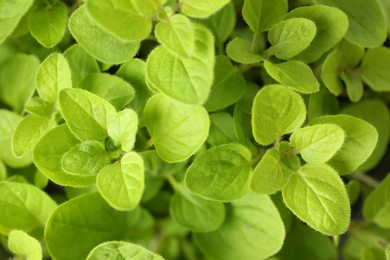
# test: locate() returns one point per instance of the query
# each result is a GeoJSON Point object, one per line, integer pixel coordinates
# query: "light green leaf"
{"type": "Point", "coordinates": [227, 180]}
{"type": "Point", "coordinates": [39, 107]}
{"type": "Point", "coordinates": [271, 120]}
{"type": "Point", "coordinates": [86, 114]}
{"type": "Point", "coordinates": [318, 143]}
{"type": "Point", "coordinates": [261, 15]}
{"type": "Point", "coordinates": [194, 212]}
{"type": "Point", "coordinates": [3, 171]}
{"type": "Point", "coordinates": [23, 206]}
{"type": "Point", "coordinates": [316, 194]}
{"type": "Point", "coordinates": [53, 75]}
{"type": "Point", "coordinates": [377, 205]}
{"type": "Point", "coordinates": [370, 33]}
{"type": "Point", "coordinates": [201, 8]}
{"type": "Point", "coordinates": [294, 74]}
{"type": "Point", "coordinates": [11, 13]}
{"type": "Point", "coordinates": [122, 128]}
{"type": "Point", "coordinates": [85, 159]}
{"type": "Point", "coordinates": [354, 85]}
{"type": "Point", "coordinates": [290, 37]}
{"type": "Point", "coordinates": [240, 51]}
{"type": "Point", "coordinates": [177, 35]}
{"type": "Point", "coordinates": [20, 243]}
{"type": "Point", "coordinates": [112, 88]}
{"type": "Point", "coordinates": [221, 129]}
{"type": "Point", "coordinates": [252, 229]}
{"type": "Point", "coordinates": [243, 129]}
{"type": "Point", "coordinates": [331, 23]}
{"type": "Point", "coordinates": [48, 153]}
{"type": "Point", "coordinates": [121, 250]}
{"type": "Point", "coordinates": [48, 23]}
{"type": "Point", "coordinates": [98, 42]}
{"type": "Point", "coordinates": [375, 67]}
{"type": "Point", "coordinates": [360, 141]}
{"type": "Point", "coordinates": [17, 83]}
{"type": "Point", "coordinates": [188, 80]}
{"type": "Point", "coordinates": [171, 126]}
{"type": "Point", "coordinates": [228, 87]}
{"type": "Point", "coordinates": [148, 7]}
{"type": "Point", "coordinates": [28, 132]}
{"type": "Point", "coordinates": [132, 25]}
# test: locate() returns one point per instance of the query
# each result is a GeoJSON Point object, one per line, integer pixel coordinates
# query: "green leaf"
{"type": "Point", "coordinates": [375, 67]}
{"type": "Point", "coordinates": [201, 8]}
{"type": "Point", "coordinates": [370, 33]}
{"type": "Point", "coordinates": [3, 171]}
{"type": "Point", "coordinates": [80, 224]}
{"type": "Point", "coordinates": [373, 253]}
{"type": "Point", "coordinates": [171, 126]}
{"type": "Point", "coordinates": [240, 51]}
{"type": "Point", "coordinates": [194, 212]}
{"type": "Point", "coordinates": [22, 244]}
{"type": "Point", "coordinates": [39, 107]}
{"type": "Point", "coordinates": [331, 23]}
{"type": "Point", "coordinates": [112, 88]}
{"type": "Point", "coordinates": [86, 114]}
{"type": "Point", "coordinates": [290, 37]}
{"type": "Point", "coordinates": [252, 229]}
{"type": "Point", "coordinates": [47, 157]}
{"type": "Point", "coordinates": [8, 123]}
{"type": "Point", "coordinates": [148, 7]}
{"type": "Point", "coordinates": [221, 129]}
{"type": "Point", "coordinates": [122, 128]}
{"type": "Point", "coordinates": [246, 101]}
{"type": "Point", "coordinates": [293, 74]}
{"type": "Point", "coordinates": [23, 206]}
{"type": "Point", "coordinates": [85, 159]}
{"type": "Point", "coordinates": [261, 15]}
{"type": "Point", "coordinates": [53, 75]}
{"type": "Point", "coordinates": [322, 103]}
{"type": "Point", "coordinates": [187, 80]}
{"type": "Point", "coordinates": [353, 189]}
{"type": "Point", "coordinates": [177, 35]}
{"type": "Point", "coordinates": [228, 87]}
{"type": "Point", "coordinates": [227, 180]}
{"type": "Point", "coordinates": [122, 185]}
{"type": "Point", "coordinates": [318, 143]}
{"type": "Point", "coordinates": [377, 205]}
{"type": "Point", "coordinates": [360, 141]}
{"type": "Point", "coordinates": [121, 250]}
{"type": "Point", "coordinates": [98, 42]}
{"type": "Point", "coordinates": [316, 194]}
{"type": "Point", "coordinates": [243, 129]}
{"type": "Point", "coordinates": [11, 13]}
{"type": "Point", "coordinates": [354, 85]}
{"type": "Point", "coordinates": [271, 120]}
{"type": "Point", "coordinates": [28, 132]}
{"type": "Point", "coordinates": [48, 23]}
{"type": "Point", "coordinates": [273, 171]}
{"type": "Point", "coordinates": [17, 76]}
{"type": "Point", "coordinates": [132, 25]}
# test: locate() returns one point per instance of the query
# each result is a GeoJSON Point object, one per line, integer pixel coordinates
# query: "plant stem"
{"type": "Point", "coordinates": [254, 42]}
{"type": "Point", "coordinates": [365, 179]}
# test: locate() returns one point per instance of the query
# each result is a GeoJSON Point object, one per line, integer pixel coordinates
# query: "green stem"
{"type": "Point", "coordinates": [254, 42]}
{"type": "Point", "coordinates": [365, 179]}
{"type": "Point", "coordinates": [174, 184]}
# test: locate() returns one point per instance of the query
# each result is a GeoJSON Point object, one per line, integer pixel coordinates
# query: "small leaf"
{"type": "Point", "coordinates": [227, 180]}
{"type": "Point", "coordinates": [240, 51]}
{"type": "Point", "coordinates": [122, 128]}
{"type": "Point", "coordinates": [375, 67]}
{"type": "Point", "coordinates": [354, 85]}
{"type": "Point", "coordinates": [271, 120]}
{"type": "Point", "coordinates": [39, 107]}
{"type": "Point", "coordinates": [316, 194]}
{"type": "Point", "coordinates": [322, 103]}
{"type": "Point", "coordinates": [21, 244]}
{"type": "Point", "coordinates": [201, 8]}
{"type": "Point", "coordinates": [353, 189]}
{"type": "Point", "coordinates": [221, 129]}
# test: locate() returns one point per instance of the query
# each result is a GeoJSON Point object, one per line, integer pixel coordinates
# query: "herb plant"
{"type": "Point", "coordinates": [194, 129]}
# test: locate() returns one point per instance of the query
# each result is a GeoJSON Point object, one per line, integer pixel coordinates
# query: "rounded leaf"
{"type": "Point", "coordinates": [201, 8]}
{"type": "Point", "coordinates": [22, 244]}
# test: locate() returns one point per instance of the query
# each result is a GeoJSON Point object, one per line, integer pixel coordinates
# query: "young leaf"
{"type": "Point", "coordinates": [201, 8]}
{"type": "Point", "coordinates": [47, 23]}
{"type": "Point", "coordinates": [316, 194]}
{"type": "Point", "coordinates": [252, 229]}
{"type": "Point", "coordinates": [86, 114]}
{"type": "Point", "coordinates": [23, 206]}
{"type": "Point", "coordinates": [188, 80]}
{"type": "Point", "coordinates": [240, 51]}
{"type": "Point", "coordinates": [39, 107]}
{"type": "Point", "coordinates": [271, 120]}
{"type": "Point", "coordinates": [194, 212]}
{"type": "Point", "coordinates": [354, 85]}
{"type": "Point", "coordinates": [377, 205]}
{"type": "Point", "coordinates": [22, 244]}
{"type": "Point", "coordinates": [293, 74]}
{"type": "Point", "coordinates": [227, 179]}
{"type": "Point", "coordinates": [221, 129]}
{"type": "Point", "coordinates": [85, 159]}
{"type": "Point", "coordinates": [177, 35]}
{"type": "Point", "coordinates": [290, 37]}
{"type": "Point", "coordinates": [374, 69]}
{"type": "Point", "coordinates": [318, 143]}
{"type": "Point", "coordinates": [122, 184]}
{"type": "Point", "coordinates": [360, 141]}
{"type": "Point", "coordinates": [53, 75]}
{"type": "Point", "coordinates": [171, 126]}
{"type": "Point", "coordinates": [122, 128]}
{"type": "Point", "coordinates": [121, 250]}
{"type": "Point", "coordinates": [322, 103]}
{"type": "Point", "coordinates": [95, 40]}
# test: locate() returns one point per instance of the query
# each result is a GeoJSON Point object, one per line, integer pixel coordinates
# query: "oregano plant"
{"type": "Point", "coordinates": [194, 129]}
